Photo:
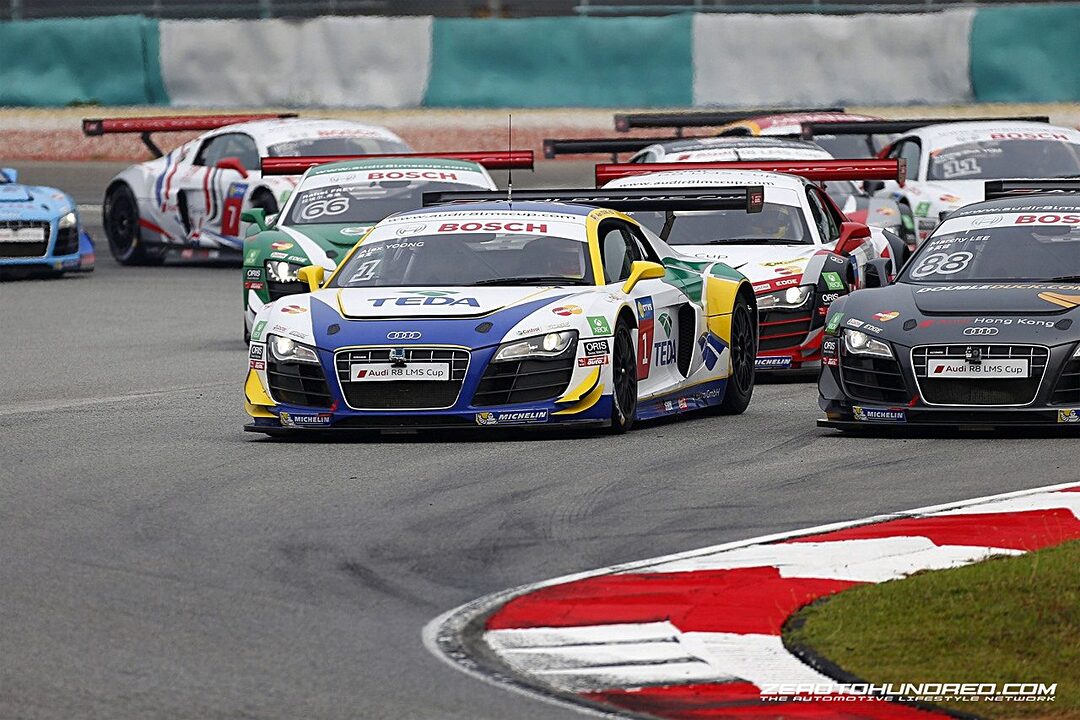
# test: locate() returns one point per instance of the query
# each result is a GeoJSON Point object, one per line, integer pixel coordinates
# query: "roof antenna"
{"type": "Point", "coordinates": [510, 166]}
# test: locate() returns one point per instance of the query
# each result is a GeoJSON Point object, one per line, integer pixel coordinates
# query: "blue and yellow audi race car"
{"type": "Point", "coordinates": [531, 313]}
{"type": "Point", "coordinates": [40, 230]}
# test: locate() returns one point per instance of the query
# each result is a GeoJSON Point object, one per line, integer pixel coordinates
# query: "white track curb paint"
{"type": "Point", "coordinates": [442, 634]}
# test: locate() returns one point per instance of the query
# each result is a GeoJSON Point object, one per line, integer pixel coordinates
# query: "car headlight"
{"type": "Point", "coordinates": [282, 271]}
{"type": "Point", "coordinates": [793, 297]}
{"type": "Point", "coordinates": [282, 349]}
{"type": "Point", "coordinates": [857, 342]}
{"type": "Point", "coordinates": [68, 221]}
{"type": "Point", "coordinates": [551, 345]}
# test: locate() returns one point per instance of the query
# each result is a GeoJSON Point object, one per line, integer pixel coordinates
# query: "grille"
{"type": "Point", "coordinates": [781, 329]}
{"type": "Point", "coordinates": [67, 241]}
{"type": "Point", "coordinates": [1067, 391]}
{"type": "Point", "coordinates": [402, 394]}
{"type": "Point", "coordinates": [873, 379]}
{"type": "Point", "coordinates": [524, 381]}
{"type": "Point", "coordinates": [980, 391]}
{"type": "Point", "coordinates": [298, 384]}
{"type": "Point", "coordinates": [9, 248]}
{"type": "Point", "coordinates": [281, 289]}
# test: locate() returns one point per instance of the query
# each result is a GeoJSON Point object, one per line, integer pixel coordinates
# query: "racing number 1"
{"type": "Point", "coordinates": [644, 350]}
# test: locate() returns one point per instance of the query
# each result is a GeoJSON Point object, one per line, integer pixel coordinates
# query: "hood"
{"type": "Point", "coordinates": [333, 235]}
{"type": "Point", "coordinates": [949, 194]}
{"type": "Point", "coordinates": [996, 298]}
{"type": "Point", "coordinates": [382, 303]}
{"type": "Point", "coordinates": [12, 192]}
{"type": "Point", "coordinates": [757, 262]}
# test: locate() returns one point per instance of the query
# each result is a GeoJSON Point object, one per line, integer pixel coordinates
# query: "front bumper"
{"type": "Point", "coordinates": [82, 260]}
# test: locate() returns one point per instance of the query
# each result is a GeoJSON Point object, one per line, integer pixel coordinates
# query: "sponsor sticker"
{"type": "Point", "coordinates": [256, 352]}
{"type": "Point", "coordinates": [599, 325]}
{"type": "Point", "coordinates": [305, 420]}
{"type": "Point", "coordinates": [1069, 416]}
{"type": "Point", "coordinates": [886, 316]}
{"type": "Point", "coordinates": [871, 414]}
{"type": "Point", "coordinates": [253, 274]}
{"type": "Point", "coordinates": [772, 363]}
{"type": "Point", "coordinates": [832, 280]}
{"type": "Point", "coordinates": [566, 310]}
{"type": "Point", "coordinates": [257, 331]}
{"type": "Point", "coordinates": [596, 347]}
{"type": "Point", "coordinates": [985, 369]}
{"type": "Point", "coordinates": [592, 361]}
{"type": "Point", "coordinates": [280, 245]}
{"type": "Point", "coordinates": [248, 285]}
{"type": "Point", "coordinates": [293, 310]}
{"type": "Point", "coordinates": [512, 417]}
{"type": "Point", "coordinates": [389, 372]}
{"type": "Point", "coordinates": [251, 257]}
{"type": "Point", "coordinates": [645, 336]}
{"type": "Point", "coordinates": [922, 209]}
{"type": "Point", "coordinates": [854, 323]}
{"type": "Point", "coordinates": [665, 322]}
{"type": "Point", "coordinates": [663, 353]}
{"type": "Point", "coordinates": [257, 364]}
{"type": "Point", "coordinates": [353, 231]}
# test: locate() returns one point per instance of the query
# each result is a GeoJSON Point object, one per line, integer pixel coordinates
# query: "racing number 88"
{"type": "Point", "coordinates": [942, 264]}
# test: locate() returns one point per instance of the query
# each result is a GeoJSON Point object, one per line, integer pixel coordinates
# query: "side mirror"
{"type": "Point", "coordinates": [256, 217]}
{"type": "Point", "coordinates": [312, 275]}
{"type": "Point", "coordinates": [852, 235]}
{"type": "Point", "coordinates": [642, 270]}
{"type": "Point", "coordinates": [872, 186]}
{"type": "Point", "coordinates": [10, 173]}
{"type": "Point", "coordinates": [232, 163]}
{"type": "Point", "coordinates": [877, 273]}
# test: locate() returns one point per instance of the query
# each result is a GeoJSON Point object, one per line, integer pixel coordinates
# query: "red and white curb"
{"type": "Point", "coordinates": [697, 635]}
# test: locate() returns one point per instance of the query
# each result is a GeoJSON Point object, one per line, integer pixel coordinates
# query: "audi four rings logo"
{"type": "Point", "coordinates": [403, 335]}
{"type": "Point", "coordinates": [980, 331]}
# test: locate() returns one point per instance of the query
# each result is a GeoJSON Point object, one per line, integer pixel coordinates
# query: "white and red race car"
{"type": "Point", "coordinates": [189, 201]}
{"type": "Point", "coordinates": [800, 252]}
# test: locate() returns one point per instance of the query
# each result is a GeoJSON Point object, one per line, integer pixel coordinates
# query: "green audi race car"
{"type": "Point", "coordinates": [334, 204]}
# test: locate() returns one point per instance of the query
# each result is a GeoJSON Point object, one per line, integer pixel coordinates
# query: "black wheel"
{"type": "Point", "coordinates": [624, 394]}
{"type": "Point", "coordinates": [740, 386]}
{"type": "Point", "coordinates": [120, 215]}
{"type": "Point", "coordinates": [907, 224]}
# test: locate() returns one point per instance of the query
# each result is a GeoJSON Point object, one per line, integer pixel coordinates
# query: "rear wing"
{"type": "Point", "coordinates": [494, 160]}
{"type": "Point", "coordinates": [815, 170]}
{"type": "Point", "coordinates": [169, 123]}
{"type": "Point", "coordinates": [597, 146]}
{"type": "Point", "coordinates": [750, 198]}
{"type": "Point", "coordinates": [892, 127]}
{"type": "Point", "coordinates": [707, 118]}
{"type": "Point", "coordinates": [995, 189]}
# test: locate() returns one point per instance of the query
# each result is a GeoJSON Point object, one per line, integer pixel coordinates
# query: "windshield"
{"type": "Point", "coordinates": [345, 145]}
{"type": "Point", "coordinates": [776, 223]}
{"type": "Point", "coordinates": [467, 259]}
{"type": "Point", "coordinates": [362, 204]}
{"type": "Point", "coordinates": [995, 159]}
{"type": "Point", "coordinates": [852, 146]}
{"type": "Point", "coordinates": [979, 254]}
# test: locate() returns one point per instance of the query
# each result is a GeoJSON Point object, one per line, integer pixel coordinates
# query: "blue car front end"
{"type": "Point", "coordinates": [40, 230]}
{"type": "Point", "coordinates": [480, 393]}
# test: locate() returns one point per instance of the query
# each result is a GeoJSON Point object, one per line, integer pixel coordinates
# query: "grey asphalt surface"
{"type": "Point", "coordinates": [157, 562]}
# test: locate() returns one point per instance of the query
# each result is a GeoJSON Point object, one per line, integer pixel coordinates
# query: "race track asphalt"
{"type": "Point", "coordinates": [157, 562]}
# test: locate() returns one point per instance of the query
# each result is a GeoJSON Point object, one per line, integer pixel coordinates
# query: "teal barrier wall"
{"type": "Point", "coordinates": [568, 62]}
{"type": "Point", "coordinates": [1026, 53]}
{"type": "Point", "coordinates": [112, 61]}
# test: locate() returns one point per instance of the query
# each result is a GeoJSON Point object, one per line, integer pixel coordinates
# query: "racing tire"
{"type": "Point", "coordinates": [120, 216]}
{"type": "Point", "coordinates": [743, 349]}
{"type": "Point", "coordinates": [907, 224]}
{"type": "Point", "coordinates": [624, 380]}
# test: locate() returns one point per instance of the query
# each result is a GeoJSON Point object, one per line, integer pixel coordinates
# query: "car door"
{"type": "Point", "coordinates": [210, 195]}
{"type": "Point", "coordinates": [657, 306]}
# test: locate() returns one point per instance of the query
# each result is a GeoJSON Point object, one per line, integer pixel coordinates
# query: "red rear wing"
{"type": "Point", "coordinates": [816, 170]}
{"type": "Point", "coordinates": [171, 123]}
{"type": "Point", "coordinates": [494, 160]}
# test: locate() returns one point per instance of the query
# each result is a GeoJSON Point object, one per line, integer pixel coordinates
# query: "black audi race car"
{"type": "Point", "coordinates": [980, 328]}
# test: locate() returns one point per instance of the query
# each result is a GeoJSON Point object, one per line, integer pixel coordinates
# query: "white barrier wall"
{"type": "Point", "coordinates": [330, 61]}
{"type": "Point", "coordinates": [813, 60]}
